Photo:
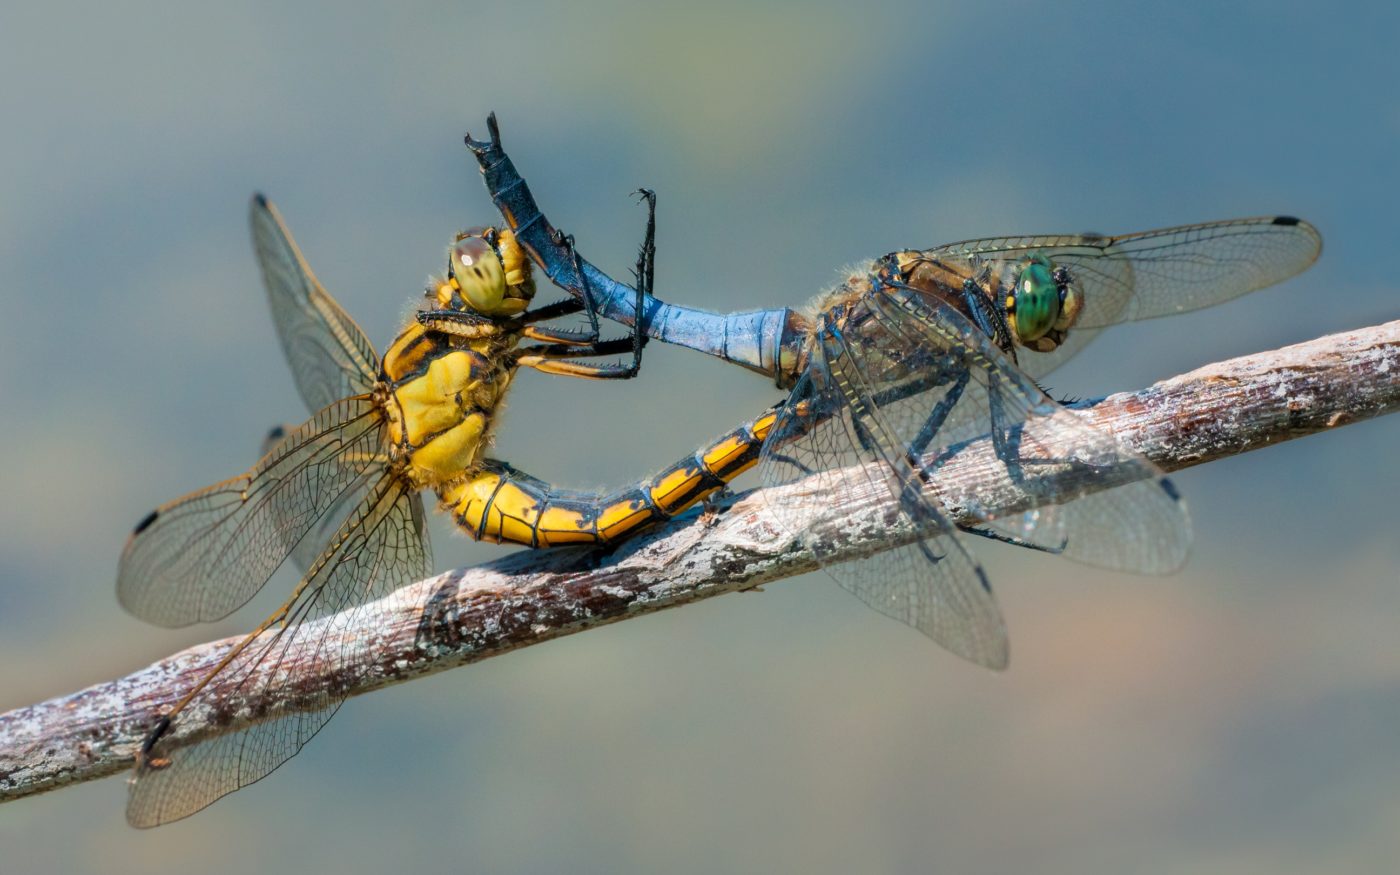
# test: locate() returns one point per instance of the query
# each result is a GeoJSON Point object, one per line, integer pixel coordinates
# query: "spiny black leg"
{"type": "Point", "coordinates": [455, 322]}
{"type": "Point", "coordinates": [567, 241]}
{"type": "Point", "coordinates": [566, 307]}
{"type": "Point", "coordinates": [646, 276]}
{"type": "Point", "coordinates": [988, 317]}
{"type": "Point", "coordinates": [550, 334]}
{"type": "Point", "coordinates": [570, 350]}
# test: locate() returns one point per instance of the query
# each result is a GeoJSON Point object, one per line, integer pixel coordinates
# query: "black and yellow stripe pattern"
{"type": "Point", "coordinates": [501, 504]}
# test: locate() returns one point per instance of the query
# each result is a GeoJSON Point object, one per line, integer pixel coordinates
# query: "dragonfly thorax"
{"type": "Point", "coordinates": [442, 393]}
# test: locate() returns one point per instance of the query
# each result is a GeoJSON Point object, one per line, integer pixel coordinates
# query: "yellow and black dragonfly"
{"type": "Point", "coordinates": [927, 356]}
{"type": "Point", "coordinates": [384, 429]}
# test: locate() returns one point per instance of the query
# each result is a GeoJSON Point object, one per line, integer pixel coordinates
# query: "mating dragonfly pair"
{"type": "Point", "coordinates": [907, 366]}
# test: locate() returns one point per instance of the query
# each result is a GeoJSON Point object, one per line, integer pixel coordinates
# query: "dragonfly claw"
{"type": "Point", "coordinates": [481, 148]}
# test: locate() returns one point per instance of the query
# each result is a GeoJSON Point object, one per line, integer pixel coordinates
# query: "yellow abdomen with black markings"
{"type": "Point", "coordinates": [501, 504]}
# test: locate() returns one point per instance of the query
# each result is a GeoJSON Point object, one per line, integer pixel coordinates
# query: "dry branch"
{"type": "Point", "coordinates": [467, 615]}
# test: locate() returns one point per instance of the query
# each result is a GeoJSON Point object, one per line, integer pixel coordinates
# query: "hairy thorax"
{"type": "Point", "coordinates": [440, 396]}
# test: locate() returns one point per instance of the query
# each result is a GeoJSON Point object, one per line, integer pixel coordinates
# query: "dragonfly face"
{"type": "Point", "coordinates": [487, 273]}
{"type": "Point", "coordinates": [1044, 304]}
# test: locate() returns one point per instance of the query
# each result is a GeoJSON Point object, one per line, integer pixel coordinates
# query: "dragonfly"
{"type": "Point", "coordinates": [341, 495]}
{"type": "Point", "coordinates": [928, 355]}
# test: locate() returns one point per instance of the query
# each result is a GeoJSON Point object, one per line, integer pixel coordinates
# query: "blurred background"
{"type": "Point", "coordinates": [1240, 716]}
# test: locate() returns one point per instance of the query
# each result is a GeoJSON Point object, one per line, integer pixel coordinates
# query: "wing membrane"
{"type": "Point", "coordinates": [934, 584]}
{"type": "Point", "coordinates": [1085, 492]}
{"type": "Point", "coordinates": [200, 557]}
{"type": "Point", "coordinates": [329, 355]}
{"type": "Point", "coordinates": [1152, 273]}
{"type": "Point", "coordinates": [381, 546]}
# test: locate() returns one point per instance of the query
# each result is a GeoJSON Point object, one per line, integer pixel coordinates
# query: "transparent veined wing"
{"type": "Point", "coordinates": [1070, 487]}
{"type": "Point", "coordinates": [329, 355]}
{"type": "Point", "coordinates": [381, 546]}
{"type": "Point", "coordinates": [305, 549]}
{"type": "Point", "coordinates": [200, 557]}
{"type": "Point", "coordinates": [824, 443]}
{"type": "Point", "coordinates": [1150, 273]}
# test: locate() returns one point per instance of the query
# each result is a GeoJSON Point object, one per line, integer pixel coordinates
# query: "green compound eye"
{"type": "Point", "coordinates": [1037, 299]}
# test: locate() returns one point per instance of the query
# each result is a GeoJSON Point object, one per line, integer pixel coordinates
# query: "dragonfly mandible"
{"type": "Point", "coordinates": [340, 494]}
{"type": "Point", "coordinates": [927, 354]}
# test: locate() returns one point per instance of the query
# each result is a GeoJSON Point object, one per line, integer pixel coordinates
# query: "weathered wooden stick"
{"type": "Point", "coordinates": [467, 615]}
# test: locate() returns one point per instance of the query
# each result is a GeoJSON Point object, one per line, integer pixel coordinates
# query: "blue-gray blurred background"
{"type": "Point", "coordinates": [1241, 716]}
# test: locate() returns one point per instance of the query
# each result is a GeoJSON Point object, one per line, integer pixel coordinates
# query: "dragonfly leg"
{"type": "Point", "coordinates": [540, 358]}
{"type": "Point", "coordinates": [566, 307]}
{"type": "Point", "coordinates": [585, 290]}
{"type": "Point", "coordinates": [553, 359]}
{"type": "Point", "coordinates": [989, 317]}
{"type": "Point", "coordinates": [646, 276]}
{"type": "Point", "coordinates": [551, 334]}
{"type": "Point", "coordinates": [458, 323]}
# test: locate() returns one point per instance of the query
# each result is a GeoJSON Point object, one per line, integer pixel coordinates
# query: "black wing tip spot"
{"type": "Point", "coordinates": [259, 199]}
{"type": "Point", "coordinates": [145, 522]}
{"type": "Point", "coordinates": [1170, 489]}
{"type": "Point", "coordinates": [1287, 221]}
{"type": "Point", "coordinates": [276, 433]}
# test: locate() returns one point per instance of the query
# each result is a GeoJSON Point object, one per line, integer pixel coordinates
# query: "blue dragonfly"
{"type": "Point", "coordinates": [926, 356]}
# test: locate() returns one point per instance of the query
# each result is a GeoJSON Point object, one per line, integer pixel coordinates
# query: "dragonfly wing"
{"type": "Point", "coordinates": [1142, 527]}
{"type": "Point", "coordinates": [822, 443]}
{"type": "Point", "coordinates": [1193, 266]}
{"type": "Point", "coordinates": [1070, 487]}
{"type": "Point", "coordinates": [199, 558]}
{"type": "Point", "coordinates": [329, 355]}
{"type": "Point", "coordinates": [1150, 273]}
{"type": "Point", "coordinates": [1037, 364]}
{"type": "Point", "coordinates": [381, 546]}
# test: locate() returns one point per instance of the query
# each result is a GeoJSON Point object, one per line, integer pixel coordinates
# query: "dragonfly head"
{"type": "Point", "coordinates": [1043, 304]}
{"type": "Point", "coordinates": [487, 272]}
